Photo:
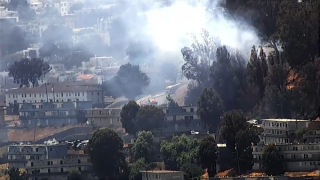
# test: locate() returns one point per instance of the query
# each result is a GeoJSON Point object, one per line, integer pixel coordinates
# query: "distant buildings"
{"type": "Point", "coordinates": [182, 119]}
{"type": "Point", "coordinates": [57, 92]}
{"type": "Point", "coordinates": [162, 175]}
{"type": "Point", "coordinates": [281, 131]}
{"type": "Point", "coordinates": [108, 117]}
{"type": "Point", "coordinates": [47, 160]}
{"type": "Point", "coordinates": [53, 114]}
{"type": "Point", "coordinates": [295, 157]}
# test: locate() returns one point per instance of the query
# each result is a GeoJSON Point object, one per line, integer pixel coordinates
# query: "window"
{"type": "Point", "coordinates": [34, 107]}
{"type": "Point", "coordinates": [48, 170]}
{"type": "Point", "coordinates": [61, 162]}
{"type": "Point", "coordinates": [32, 164]}
{"type": "Point", "coordinates": [37, 149]}
{"type": "Point", "coordinates": [79, 168]}
{"type": "Point", "coordinates": [191, 109]}
{"type": "Point", "coordinates": [61, 94]}
{"type": "Point", "coordinates": [61, 170]}
{"type": "Point", "coordinates": [40, 106]}
{"type": "Point", "coordinates": [29, 95]}
{"type": "Point", "coordinates": [50, 149]}
{"type": "Point", "coordinates": [79, 161]}
{"type": "Point", "coordinates": [48, 162]}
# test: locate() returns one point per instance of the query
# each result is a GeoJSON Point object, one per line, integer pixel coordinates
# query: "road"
{"type": "Point", "coordinates": [160, 97]}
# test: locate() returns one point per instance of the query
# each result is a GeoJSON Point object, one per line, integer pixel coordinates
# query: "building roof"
{"type": "Point", "coordinates": [85, 76]}
{"type": "Point", "coordinates": [58, 87]}
{"type": "Point", "coordinates": [286, 120]}
{"type": "Point", "coordinates": [161, 171]}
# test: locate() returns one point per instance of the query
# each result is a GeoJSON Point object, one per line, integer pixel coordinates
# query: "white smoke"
{"type": "Point", "coordinates": [170, 27]}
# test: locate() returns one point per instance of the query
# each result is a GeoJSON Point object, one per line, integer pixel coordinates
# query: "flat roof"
{"type": "Point", "coordinates": [286, 120]}
{"type": "Point", "coordinates": [161, 171]}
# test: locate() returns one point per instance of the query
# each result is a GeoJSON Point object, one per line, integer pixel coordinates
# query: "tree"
{"type": "Point", "coordinates": [198, 59]}
{"type": "Point", "coordinates": [208, 155]}
{"type": "Point", "coordinates": [128, 115]}
{"type": "Point", "coordinates": [74, 175]}
{"type": "Point", "coordinates": [14, 174]}
{"type": "Point", "coordinates": [296, 32]}
{"type": "Point", "coordinates": [257, 70]}
{"type": "Point", "coordinates": [132, 80]}
{"type": "Point", "coordinates": [210, 107]}
{"type": "Point", "coordinates": [271, 161]}
{"type": "Point", "coordinates": [228, 78]}
{"type": "Point", "coordinates": [149, 118]}
{"type": "Point", "coordinates": [180, 153]}
{"type": "Point", "coordinates": [28, 71]}
{"type": "Point", "coordinates": [239, 137]}
{"type": "Point", "coordinates": [171, 102]}
{"type": "Point", "coordinates": [136, 167]}
{"type": "Point", "coordinates": [143, 146]}
{"type": "Point", "coordinates": [105, 151]}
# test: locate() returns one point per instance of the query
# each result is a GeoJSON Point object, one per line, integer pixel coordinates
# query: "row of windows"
{"type": "Point", "coordinates": [43, 94]}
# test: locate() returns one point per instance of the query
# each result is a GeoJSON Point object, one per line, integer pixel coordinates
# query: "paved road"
{"type": "Point", "coordinates": [160, 97]}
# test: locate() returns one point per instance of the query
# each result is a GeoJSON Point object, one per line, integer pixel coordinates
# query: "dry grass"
{"type": "Point", "coordinates": [180, 94]}
{"type": "Point", "coordinates": [20, 135]}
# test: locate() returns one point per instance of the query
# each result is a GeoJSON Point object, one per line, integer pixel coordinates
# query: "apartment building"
{"type": "Point", "coordinates": [295, 157]}
{"type": "Point", "coordinates": [107, 117]}
{"type": "Point", "coordinates": [162, 175]}
{"type": "Point", "coordinates": [281, 130]}
{"type": "Point", "coordinates": [57, 92]}
{"type": "Point", "coordinates": [53, 114]}
{"type": "Point", "coordinates": [182, 120]}
{"type": "Point", "coordinates": [50, 161]}
{"type": "Point", "coordinates": [312, 134]}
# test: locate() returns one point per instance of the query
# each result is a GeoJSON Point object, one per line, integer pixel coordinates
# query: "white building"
{"type": "Point", "coordinates": [65, 7]}
{"type": "Point", "coordinates": [56, 92]}
{"type": "Point", "coordinates": [281, 130]}
{"type": "Point", "coordinates": [295, 157]}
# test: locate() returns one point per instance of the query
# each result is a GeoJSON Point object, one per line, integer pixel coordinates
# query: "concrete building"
{"type": "Point", "coordinates": [53, 114]}
{"type": "Point", "coordinates": [108, 117]}
{"type": "Point", "coordinates": [50, 161]}
{"type": "Point", "coordinates": [281, 130]}
{"type": "Point", "coordinates": [182, 120]}
{"type": "Point", "coordinates": [162, 175]}
{"type": "Point", "coordinates": [295, 157]}
{"type": "Point", "coordinates": [312, 134]}
{"type": "Point", "coordinates": [57, 92]}
{"type": "Point", "coordinates": [57, 68]}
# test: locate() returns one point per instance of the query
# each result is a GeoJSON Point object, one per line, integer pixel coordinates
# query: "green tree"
{"type": "Point", "coordinates": [14, 174]}
{"type": "Point", "coordinates": [171, 102]}
{"type": "Point", "coordinates": [210, 107]}
{"type": "Point", "coordinates": [296, 32]}
{"type": "Point", "coordinates": [105, 151]}
{"type": "Point", "coordinates": [239, 136]}
{"type": "Point", "coordinates": [131, 80]}
{"type": "Point", "coordinates": [28, 71]}
{"type": "Point", "coordinates": [228, 78]}
{"type": "Point", "coordinates": [179, 151]}
{"type": "Point", "coordinates": [257, 69]}
{"type": "Point", "coordinates": [208, 155]}
{"type": "Point", "coordinates": [198, 59]}
{"type": "Point", "coordinates": [128, 116]}
{"type": "Point", "coordinates": [74, 175]}
{"type": "Point", "coordinates": [149, 118]}
{"type": "Point", "coordinates": [271, 161]}
{"type": "Point", "coordinates": [143, 146]}
{"type": "Point", "coordinates": [136, 167]}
